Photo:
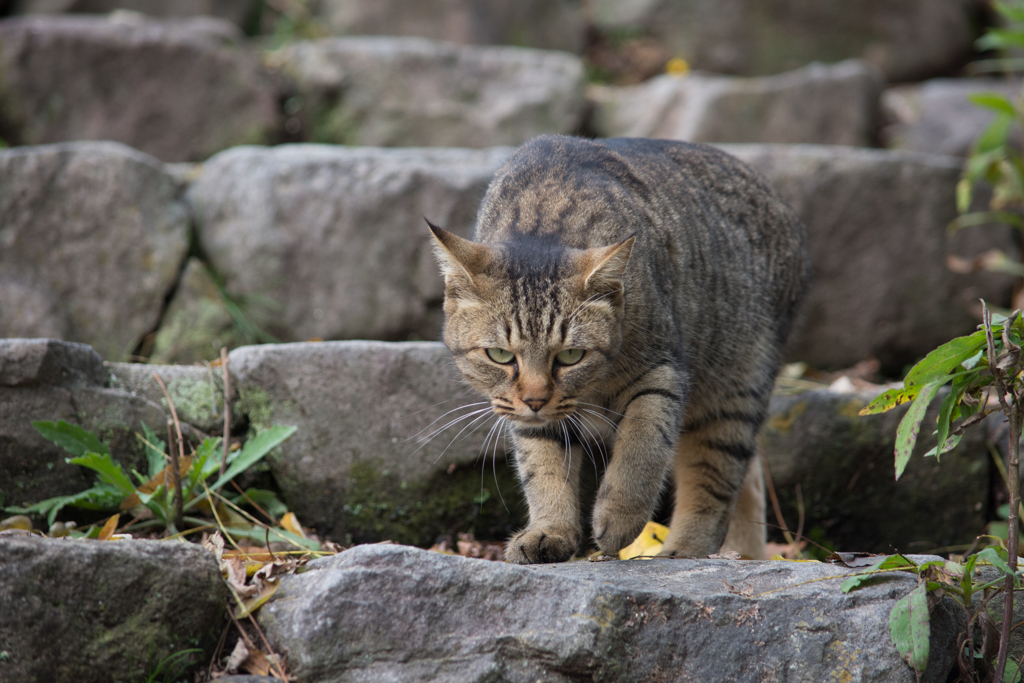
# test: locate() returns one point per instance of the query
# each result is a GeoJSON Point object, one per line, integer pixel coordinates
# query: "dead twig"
{"type": "Point", "coordinates": [176, 457]}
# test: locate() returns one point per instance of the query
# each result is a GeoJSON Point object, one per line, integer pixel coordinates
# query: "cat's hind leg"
{"type": "Point", "coordinates": [747, 529]}
{"type": "Point", "coordinates": [712, 469]}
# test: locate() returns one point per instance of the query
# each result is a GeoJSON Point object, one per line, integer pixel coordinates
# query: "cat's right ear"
{"type": "Point", "coordinates": [460, 259]}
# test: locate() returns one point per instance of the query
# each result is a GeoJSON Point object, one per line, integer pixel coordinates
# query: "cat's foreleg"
{"type": "Point", "coordinates": [640, 458]}
{"type": "Point", "coordinates": [549, 469]}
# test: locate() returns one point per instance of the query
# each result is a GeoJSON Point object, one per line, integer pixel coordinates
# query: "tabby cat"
{"type": "Point", "coordinates": [629, 297]}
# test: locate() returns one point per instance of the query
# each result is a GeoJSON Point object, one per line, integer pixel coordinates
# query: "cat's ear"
{"type": "Point", "coordinates": [605, 265]}
{"type": "Point", "coordinates": [459, 258]}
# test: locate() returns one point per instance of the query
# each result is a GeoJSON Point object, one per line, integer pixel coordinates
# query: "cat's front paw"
{"type": "Point", "coordinates": [536, 546]}
{"type": "Point", "coordinates": [613, 532]}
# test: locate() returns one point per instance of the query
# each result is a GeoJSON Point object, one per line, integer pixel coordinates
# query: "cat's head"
{"type": "Point", "coordinates": [532, 325]}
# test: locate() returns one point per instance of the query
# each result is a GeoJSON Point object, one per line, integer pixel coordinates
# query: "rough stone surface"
{"type": "Point", "coordinates": [33, 362]}
{"type": "Point", "coordinates": [356, 465]}
{"type": "Point", "coordinates": [179, 89]}
{"type": "Point", "coordinates": [907, 39]}
{"type": "Point", "coordinates": [46, 379]}
{"type": "Point", "coordinates": [92, 237]}
{"type": "Point", "coordinates": [402, 614]}
{"type": "Point", "coordinates": [843, 464]}
{"type": "Point", "coordinates": [821, 104]}
{"type": "Point", "coordinates": [936, 116]}
{"type": "Point", "coordinates": [418, 92]}
{"type": "Point", "coordinates": [335, 237]}
{"type": "Point", "coordinates": [99, 611]}
{"type": "Point", "coordinates": [546, 24]}
{"type": "Point", "coordinates": [238, 12]}
{"type": "Point", "coordinates": [197, 392]}
{"type": "Point", "coordinates": [876, 227]}
{"type": "Point", "coordinates": [197, 322]}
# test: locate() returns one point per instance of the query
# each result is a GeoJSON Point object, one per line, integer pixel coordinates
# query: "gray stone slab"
{"type": "Point", "coordinates": [356, 467]}
{"type": "Point", "coordinates": [546, 24]}
{"type": "Point", "coordinates": [416, 92]}
{"type": "Point", "coordinates": [836, 104]}
{"type": "Point", "coordinates": [907, 39]}
{"type": "Point", "coordinates": [335, 237]}
{"type": "Point", "coordinates": [92, 238]}
{"type": "Point", "coordinates": [104, 610]}
{"type": "Point", "coordinates": [179, 89]}
{"type": "Point", "coordinates": [876, 230]}
{"type": "Point", "coordinates": [392, 613]}
{"type": "Point", "coordinates": [844, 466]}
{"type": "Point", "coordinates": [936, 117]}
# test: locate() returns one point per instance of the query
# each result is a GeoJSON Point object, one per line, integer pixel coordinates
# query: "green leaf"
{"type": "Point", "coordinates": [994, 135]}
{"type": "Point", "coordinates": [99, 497]}
{"type": "Point", "coordinates": [945, 413]}
{"type": "Point", "coordinates": [910, 425]}
{"type": "Point", "coordinates": [72, 438]}
{"type": "Point", "coordinates": [999, 39]}
{"type": "Point", "coordinates": [1011, 674]}
{"type": "Point", "coordinates": [944, 359]}
{"type": "Point", "coordinates": [108, 470]}
{"type": "Point", "coordinates": [995, 101]}
{"type": "Point", "coordinates": [950, 443]}
{"type": "Point", "coordinates": [910, 628]}
{"type": "Point", "coordinates": [251, 453]}
{"type": "Point", "coordinates": [997, 560]}
{"type": "Point", "coordinates": [883, 564]}
{"type": "Point", "coordinates": [889, 399]}
{"type": "Point", "coordinates": [155, 455]}
{"type": "Point", "coordinates": [985, 218]}
{"type": "Point", "coordinates": [258, 533]}
{"type": "Point", "coordinates": [964, 195]}
{"type": "Point", "coordinates": [1014, 12]}
{"type": "Point", "coordinates": [267, 500]}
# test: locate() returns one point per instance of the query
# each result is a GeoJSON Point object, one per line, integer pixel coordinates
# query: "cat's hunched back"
{"type": "Point", "coordinates": [627, 296]}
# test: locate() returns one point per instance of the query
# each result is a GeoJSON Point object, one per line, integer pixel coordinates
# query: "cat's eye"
{"type": "Point", "coordinates": [569, 356]}
{"type": "Point", "coordinates": [501, 356]}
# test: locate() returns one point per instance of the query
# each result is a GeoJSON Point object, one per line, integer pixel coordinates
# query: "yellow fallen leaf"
{"type": "Point", "coordinates": [109, 527]}
{"type": "Point", "coordinates": [647, 544]}
{"type": "Point", "coordinates": [780, 558]}
{"type": "Point", "coordinates": [16, 522]}
{"type": "Point", "coordinates": [291, 523]}
{"type": "Point", "coordinates": [250, 605]}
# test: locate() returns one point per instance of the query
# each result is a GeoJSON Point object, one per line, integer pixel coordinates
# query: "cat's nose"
{"type": "Point", "coordinates": [535, 403]}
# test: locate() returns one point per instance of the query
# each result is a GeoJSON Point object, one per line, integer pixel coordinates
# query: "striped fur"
{"type": "Point", "coordinates": [675, 269]}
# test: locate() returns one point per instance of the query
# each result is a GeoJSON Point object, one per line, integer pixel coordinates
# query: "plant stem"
{"type": "Point", "coordinates": [175, 471]}
{"type": "Point", "coordinates": [1013, 480]}
{"type": "Point", "coordinates": [227, 409]}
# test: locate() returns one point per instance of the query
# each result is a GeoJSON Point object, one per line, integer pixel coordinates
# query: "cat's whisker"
{"type": "Point", "coordinates": [586, 447]}
{"type": "Point", "coordinates": [613, 425]}
{"type": "Point", "coordinates": [456, 437]}
{"type": "Point", "coordinates": [438, 430]}
{"type": "Point", "coordinates": [468, 405]}
{"type": "Point", "coordinates": [592, 438]}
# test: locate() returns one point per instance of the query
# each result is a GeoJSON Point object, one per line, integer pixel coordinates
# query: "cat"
{"type": "Point", "coordinates": [628, 297]}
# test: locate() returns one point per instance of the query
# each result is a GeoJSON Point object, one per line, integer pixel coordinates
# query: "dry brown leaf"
{"type": "Point", "coordinates": [131, 501]}
{"type": "Point", "coordinates": [730, 555]}
{"type": "Point", "coordinates": [237, 657]}
{"type": "Point", "coordinates": [257, 663]}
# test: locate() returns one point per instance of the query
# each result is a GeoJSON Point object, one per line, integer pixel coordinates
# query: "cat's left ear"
{"type": "Point", "coordinates": [606, 265]}
{"type": "Point", "coordinates": [459, 258]}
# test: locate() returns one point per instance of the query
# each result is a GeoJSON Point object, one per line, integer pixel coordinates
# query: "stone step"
{"type": "Point", "coordinates": [408, 92]}
{"type": "Point", "coordinates": [100, 611]}
{"type": "Point", "coordinates": [179, 89]}
{"type": "Point", "coordinates": [384, 612]}
{"type": "Point", "coordinates": [316, 241]}
{"type": "Point", "coordinates": [381, 454]}
{"type": "Point", "coordinates": [826, 104]}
